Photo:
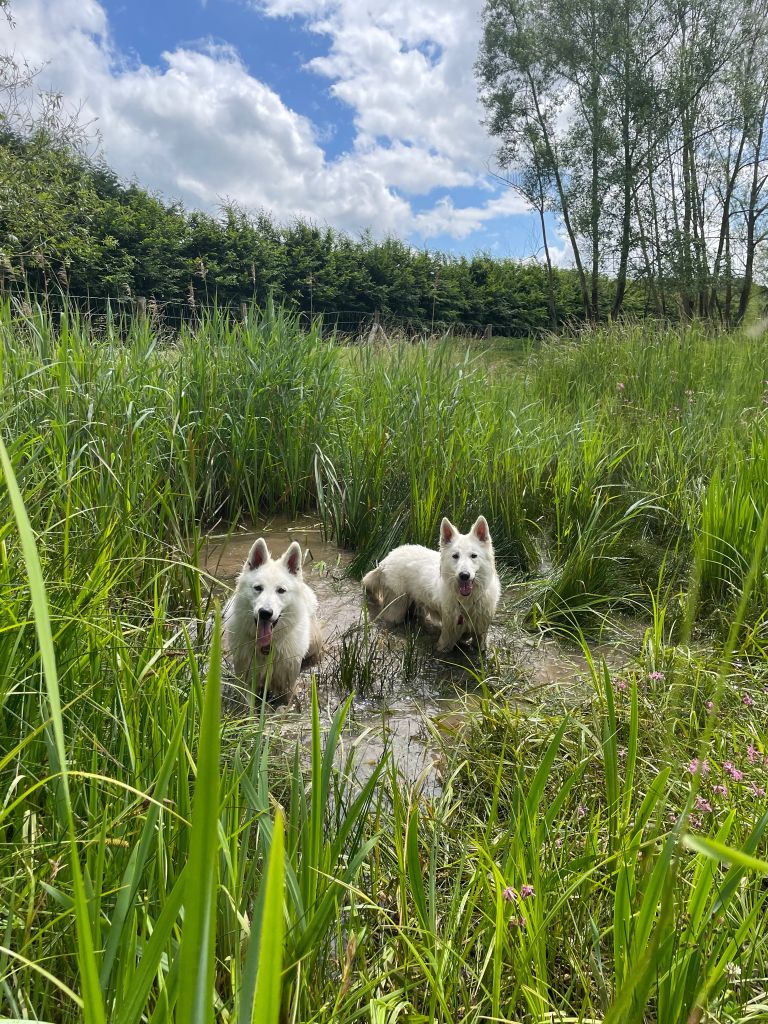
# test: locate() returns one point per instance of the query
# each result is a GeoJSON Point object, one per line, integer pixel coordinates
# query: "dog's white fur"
{"type": "Point", "coordinates": [458, 584]}
{"type": "Point", "coordinates": [270, 622]}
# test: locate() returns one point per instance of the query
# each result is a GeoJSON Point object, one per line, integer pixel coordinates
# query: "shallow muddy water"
{"type": "Point", "coordinates": [407, 700]}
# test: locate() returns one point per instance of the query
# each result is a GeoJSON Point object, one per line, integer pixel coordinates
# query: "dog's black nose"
{"type": "Point", "coordinates": [265, 613]}
{"type": "Point", "coordinates": [464, 576]}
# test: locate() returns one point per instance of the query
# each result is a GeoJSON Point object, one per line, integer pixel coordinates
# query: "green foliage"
{"type": "Point", "coordinates": [597, 462]}
{"type": "Point", "coordinates": [67, 224]}
{"type": "Point", "coordinates": [160, 863]}
{"type": "Point", "coordinates": [642, 128]}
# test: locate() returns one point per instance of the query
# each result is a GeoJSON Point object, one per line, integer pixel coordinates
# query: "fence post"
{"type": "Point", "coordinates": [243, 311]}
{"type": "Point", "coordinates": [141, 306]}
{"type": "Point", "coordinates": [488, 332]}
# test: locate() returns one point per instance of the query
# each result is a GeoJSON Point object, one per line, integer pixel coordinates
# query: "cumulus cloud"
{"type": "Point", "coordinates": [446, 219]}
{"type": "Point", "coordinates": [405, 68]}
{"type": "Point", "coordinates": [406, 71]}
{"type": "Point", "coordinates": [203, 128]}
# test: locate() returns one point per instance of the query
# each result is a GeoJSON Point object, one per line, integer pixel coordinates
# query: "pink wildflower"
{"type": "Point", "coordinates": [517, 922]}
{"type": "Point", "coordinates": [735, 774]}
{"type": "Point", "coordinates": [752, 754]}
{"type": "Point", "coordinates": [526, 891]}
{"type": "Point", "coordinates": [709, 705]}
{"type": "Point", "coordinates": [581, 811]}
{"type": "Point", "coordinates": [656, 676]}
{"type": "Point", "coordinates": [720, 790]}
{"type": "Point", "coordinates": [747, 701]}
{"type": "Point", "coordinates": [757, 790]}
{"type": "Point", "coordinates": [622, 753]}
{"type": "Point", "coordinates": [693, 767]}
{"type": "Point", "coordinates": [694, 821]}
{"type": "Point", "coordinates": [703, 805]}
{"type": "Point", "coordinates": [620, 386]}
{"type": "Point", "coordinates": [621, 685]}
{"type": "Point", "coordinates": [509, 894]}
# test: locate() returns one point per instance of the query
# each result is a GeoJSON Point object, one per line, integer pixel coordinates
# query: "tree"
{"type": "Point", "coordinates": [15, 76]}
{"type": "Point", "coordinates": [643, 124]}
{"type": "Point", "coordinates": [522, 88]}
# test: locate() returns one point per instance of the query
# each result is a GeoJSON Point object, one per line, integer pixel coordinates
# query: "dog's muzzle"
{"type": "Point", "coordinates": [264, 628]}
{"type": "Point", "coordinates": [466, 583]}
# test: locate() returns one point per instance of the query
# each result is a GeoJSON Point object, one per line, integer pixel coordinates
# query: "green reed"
{"type": "Point", "coordinates": [158, 863]}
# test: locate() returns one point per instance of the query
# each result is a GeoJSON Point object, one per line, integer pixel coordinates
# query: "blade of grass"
{"type": "Point", "coordinates": [141, 982]}
{"type": "Point", "coordinates": [133, 872]}
{"type": "Point", "coordinates": [266, 999]}
{"type": "Point", "coordinates": [93, 1006]}
{"type": "Point", "coordinates": [197, 956]}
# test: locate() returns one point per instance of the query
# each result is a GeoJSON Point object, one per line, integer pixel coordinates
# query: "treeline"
{"type": "Point", "coordinates": [68, 223]}
{"type": "Point", "coordinates": [643, 124]}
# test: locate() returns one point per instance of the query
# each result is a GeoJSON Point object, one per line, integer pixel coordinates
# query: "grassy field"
{"type": "Point", "coordinates": [601, 862]}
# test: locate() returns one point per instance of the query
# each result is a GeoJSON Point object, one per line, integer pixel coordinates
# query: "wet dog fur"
{"type": "Point", "coordinates": [456, 585]}
{"type": "Point", "coordinates": [270, 622]}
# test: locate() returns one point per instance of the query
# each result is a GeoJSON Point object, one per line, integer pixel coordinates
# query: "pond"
{"type": "Point", "coordinates": [407, 700]}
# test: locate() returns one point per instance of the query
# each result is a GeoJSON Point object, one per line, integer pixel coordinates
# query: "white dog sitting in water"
{"type": "Point", "coordinates": [457, 585]}
{"type": "Point", "coordinates": [270, 622]}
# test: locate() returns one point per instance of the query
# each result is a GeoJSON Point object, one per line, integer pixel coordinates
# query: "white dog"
{"type": "Point", "coordinates": [270, 622]}
{"type": "Point", "coordinates": [457, 585]}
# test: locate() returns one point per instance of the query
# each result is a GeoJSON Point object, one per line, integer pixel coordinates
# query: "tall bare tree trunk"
{"type": "Point", "coordinates": [626, 218]}
{"type": "Point", "coordinates": [754, 210]}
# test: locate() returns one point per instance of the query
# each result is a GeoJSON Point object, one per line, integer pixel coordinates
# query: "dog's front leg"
{"type": "Point", "coordinates": [283, 677]}
{"type": "Point", "coordinates": [449, 637]}
{"type": "Point", "coordinates": [242, 660]}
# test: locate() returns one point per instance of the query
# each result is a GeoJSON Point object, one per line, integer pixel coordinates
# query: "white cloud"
{"type": "Point", "coordinates": [415, 171]}
{"type": "Point", "coordinates": [203, 128]}
{"type": "Point", "coordinates": [406, 70]}
{"type": "Point", "coordinates": [446, 219]}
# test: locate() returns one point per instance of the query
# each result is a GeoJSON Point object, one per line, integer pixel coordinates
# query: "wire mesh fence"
{"type": "Point", "coordinates": [102, 311]}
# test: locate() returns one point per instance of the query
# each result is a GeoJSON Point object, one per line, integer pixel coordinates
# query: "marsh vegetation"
{"type": "Point", "coordinates": [596, 852]}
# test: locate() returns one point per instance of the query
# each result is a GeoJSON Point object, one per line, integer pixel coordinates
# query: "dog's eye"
{"type": "Point", "coordinates": [473, 555]}
{"type": "Point", "coordinates": [258, 587]}
{"type": "Point", "coordinates": [281, 590]}
{"type": "Point", "coordinates": [456, 554]}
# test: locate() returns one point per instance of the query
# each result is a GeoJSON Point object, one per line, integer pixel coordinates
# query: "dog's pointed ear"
{"type": "Point", "coordinates": [292, 559]}
{"type": "Point", "coordinates": [447, 531]}
{"type": "Point", "coordinates": [480, 529]}
{"type": "Point", "coordinates": [258, 555]}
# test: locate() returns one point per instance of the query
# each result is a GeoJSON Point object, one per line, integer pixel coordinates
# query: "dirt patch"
{"type": "Point", "coordinates": [403, 691]}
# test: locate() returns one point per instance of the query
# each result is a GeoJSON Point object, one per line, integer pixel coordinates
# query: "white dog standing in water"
{"type": "Point", "coordinates": [270, 622]}
{"type": "Point", "coordinates": [458, 585]}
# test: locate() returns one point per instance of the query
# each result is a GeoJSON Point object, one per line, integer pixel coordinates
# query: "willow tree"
{"type": "Point", "coordinates": [650, 116]}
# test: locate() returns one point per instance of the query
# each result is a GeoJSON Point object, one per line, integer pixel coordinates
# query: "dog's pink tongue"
{"type": "Point", "coordinates": [264, 634]}
{"type": "Point", "coordinates": [465, 588]}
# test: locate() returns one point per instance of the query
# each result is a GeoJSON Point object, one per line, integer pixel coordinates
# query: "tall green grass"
{"type": "Point", "coordinates": [597, 460]}
{"type": "Point", "coordinates": [131, 839]}
{"type": "Point", "coordinates": [158, 864]}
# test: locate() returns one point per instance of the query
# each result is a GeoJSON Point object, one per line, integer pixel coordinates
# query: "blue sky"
{"type": "Point", "coordinates": [361, 114]}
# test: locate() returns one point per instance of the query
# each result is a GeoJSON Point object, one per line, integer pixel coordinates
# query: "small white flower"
{"type": "Point", "coordinates": [732, 972]}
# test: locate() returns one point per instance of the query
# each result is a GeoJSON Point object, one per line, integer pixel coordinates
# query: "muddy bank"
{"type": "Point", "coordinates": [403, 691]}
